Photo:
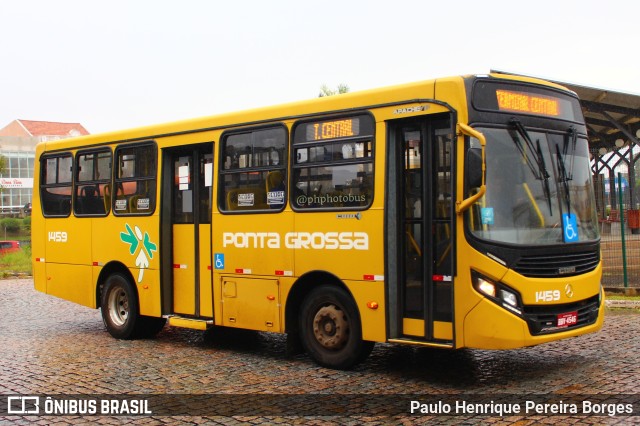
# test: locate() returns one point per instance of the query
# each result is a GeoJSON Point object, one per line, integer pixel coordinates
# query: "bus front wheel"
{"type": "Point", "coordinates": [120, 307]}
{"type": "Point", "coordinates": [330, 329]}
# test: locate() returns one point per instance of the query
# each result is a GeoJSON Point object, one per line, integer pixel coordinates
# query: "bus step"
{"type": "Point", "coordinates": [195, 324]}
{"type": "Point", "coordinates": [407, 341]}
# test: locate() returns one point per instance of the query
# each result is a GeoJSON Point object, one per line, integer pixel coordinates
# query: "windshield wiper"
{"type": "Point", "coordinates": [532, 166]}
{"type": "Point", "coordinates": [540, 173]}
{"type": "Point", "coordinates": [564, 178]}
{"type": "Point", "coordinates": [545, 177]}
{"type": "Point", "coordinates": [573, 135]}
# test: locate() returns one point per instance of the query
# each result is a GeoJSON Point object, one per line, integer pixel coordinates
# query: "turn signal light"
{"type": "Point", "coordinates": [372, 305]}
{"type": "Point", "coordinates": [486, 287]}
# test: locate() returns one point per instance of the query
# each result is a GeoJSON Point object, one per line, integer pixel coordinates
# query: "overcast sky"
{"type": "Point", "coordinates": [122, 63]}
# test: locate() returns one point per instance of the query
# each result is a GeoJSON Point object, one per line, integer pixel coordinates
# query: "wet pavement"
{"type": "Point", "coordinates": [50, 347]}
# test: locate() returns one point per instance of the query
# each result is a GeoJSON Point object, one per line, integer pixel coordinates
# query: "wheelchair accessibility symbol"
{"type": "Point", "coordinates": [219, 261]}
{"type": "Point", "coordinates": [570, 228]}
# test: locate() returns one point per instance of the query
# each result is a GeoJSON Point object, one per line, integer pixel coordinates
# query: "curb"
{"type": "Point", "coordinates": [627, 291]}
{"type": "Point", "coordinates": [625, 304]}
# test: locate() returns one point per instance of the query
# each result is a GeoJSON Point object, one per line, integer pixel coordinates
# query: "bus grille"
{"type": "Point", "coordinates": [557, 264]}
{"type": "Point", "coordinates": [543, 319]}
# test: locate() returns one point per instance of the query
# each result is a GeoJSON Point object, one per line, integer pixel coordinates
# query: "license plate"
{"type": "Point", "coordinates": [567, 319]}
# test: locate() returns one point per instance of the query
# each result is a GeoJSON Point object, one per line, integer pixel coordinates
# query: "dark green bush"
{"type": "Point", "coordinates": [11, 224]}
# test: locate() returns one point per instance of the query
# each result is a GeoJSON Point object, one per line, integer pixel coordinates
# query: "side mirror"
{"type": "Point", "coordinates": [473, 168]}
{"type": "Point", "coordinates": [472, 175]}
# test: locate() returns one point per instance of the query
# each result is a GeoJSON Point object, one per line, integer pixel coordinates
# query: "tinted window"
{"type": "Point", "coordinates": [333, 163]}
{"type": "Point", "coordinates": [135, 180]}
{"type": "Point", "coordinates": [253, 172]}
{"type": "Point", "coordinates": [93, 183]}
{"type": "Point", "coordinates": [55, 186]}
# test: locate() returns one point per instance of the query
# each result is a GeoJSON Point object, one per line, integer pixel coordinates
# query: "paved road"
{"type": "Point", "coordinates": [53, 347]}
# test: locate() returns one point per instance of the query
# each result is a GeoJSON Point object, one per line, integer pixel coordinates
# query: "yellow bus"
{"type": "Point", "coordinates": [457, 212]}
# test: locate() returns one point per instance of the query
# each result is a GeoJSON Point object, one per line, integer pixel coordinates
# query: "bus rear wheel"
{"type": "Point", "coordinates": [330, 328]}
{"type": "Point", "coordinates": [120, 307]}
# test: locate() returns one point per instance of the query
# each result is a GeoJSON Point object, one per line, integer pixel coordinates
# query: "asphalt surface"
{"type": "Point", "coordinates": [50, 347]}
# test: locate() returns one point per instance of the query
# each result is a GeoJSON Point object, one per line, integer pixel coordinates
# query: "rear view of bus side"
{"type": "Point", "coordinates": [450, 213]}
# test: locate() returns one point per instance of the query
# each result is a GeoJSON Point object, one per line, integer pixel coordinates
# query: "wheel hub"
{"type": "Point", "coordinates": [330, 327]}
{"type": "Point", "coordinates": [118, 307]}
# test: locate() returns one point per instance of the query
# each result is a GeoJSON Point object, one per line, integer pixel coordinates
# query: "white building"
{"type": "Point", "coordinates": [17, 146]}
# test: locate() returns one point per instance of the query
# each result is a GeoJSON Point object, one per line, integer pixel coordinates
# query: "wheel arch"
{"type": "Point", "coordinates": [301, 288]}
{"type": "Point", "coordinates": [108, 270]}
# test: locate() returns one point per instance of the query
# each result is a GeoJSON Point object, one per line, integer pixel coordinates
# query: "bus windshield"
{"type": "Point", "coordinates": [539, 188]}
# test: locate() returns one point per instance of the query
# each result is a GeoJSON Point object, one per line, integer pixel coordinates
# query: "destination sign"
{"type": "Point", "coordinates": [528, 103]}
{"type": "Point", "coordinates": [344, 128]}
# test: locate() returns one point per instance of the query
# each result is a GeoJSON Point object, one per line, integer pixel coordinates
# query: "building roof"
{"type": "Point", "coordinates": [610, 115]}
{"type": "Point", "coordinates": [49, 128]}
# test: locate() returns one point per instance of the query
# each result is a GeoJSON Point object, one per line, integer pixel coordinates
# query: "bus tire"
{"type": "Point", "coordinates": [330, 329]}
{"type": "Point", "coordinates": [119, 305]}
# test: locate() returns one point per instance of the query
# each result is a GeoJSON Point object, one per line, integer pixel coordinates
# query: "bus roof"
{"type": "Point", "coordinates": [344, 102]}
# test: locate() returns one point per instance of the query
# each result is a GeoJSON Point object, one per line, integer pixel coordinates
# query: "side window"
{"type": "Point", "coordinates": [253, 175]}
{"type": "Point", "coordinates": [92, 188]}
{"type": "Point", "coordinates": [333, 163]}
{"type": "Point", "coordinates": [55, 184]}
{"type": "Point", "coordinates": [134, 191]}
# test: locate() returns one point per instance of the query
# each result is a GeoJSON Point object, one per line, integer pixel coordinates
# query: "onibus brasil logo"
{"type": "Point", "coordinates": [136, 241]}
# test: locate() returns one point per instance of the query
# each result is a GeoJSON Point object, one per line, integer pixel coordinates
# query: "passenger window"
{"type": "Point", "coordinates": [93, 183]}
{"type": "Point", "coordinates": [134, 191]}
{"type": "Point", "coordinates": [253, 173]}
{"type": "Point", "coordinates": [333, 163]}
{"type": "Point", "coordinates": [55, 187]}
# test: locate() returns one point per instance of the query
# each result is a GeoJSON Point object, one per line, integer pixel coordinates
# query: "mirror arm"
{"type": "Point", "coordinates": [463, 205]}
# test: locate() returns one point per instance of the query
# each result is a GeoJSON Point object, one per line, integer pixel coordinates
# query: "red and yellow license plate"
{"type": "Point", "coordinates": [567, 319]}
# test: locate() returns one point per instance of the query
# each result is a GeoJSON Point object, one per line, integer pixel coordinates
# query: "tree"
{"type": "Point", "coordinates": [326, 91]}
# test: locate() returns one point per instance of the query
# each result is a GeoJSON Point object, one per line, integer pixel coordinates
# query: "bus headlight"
{"type": "Point", "coordinates": [497, 292]}
{"type": "Point", "coordinates": [486, 287]}
{"type": "Point", "coordinates": [509, 298]}
{"type": "Point", "coordinates": [510, 301]}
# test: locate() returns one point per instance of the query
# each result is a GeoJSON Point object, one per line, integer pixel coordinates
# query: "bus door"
{"type": "Point", "coordinates": [420, 224]}
{"type": "Point", "coordinates": [187, 200]}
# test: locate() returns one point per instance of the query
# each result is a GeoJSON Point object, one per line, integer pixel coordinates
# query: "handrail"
{"type": "Point", "coordinates": [466, 203]}
{"type": "Point", "coordinates": [534, 204]}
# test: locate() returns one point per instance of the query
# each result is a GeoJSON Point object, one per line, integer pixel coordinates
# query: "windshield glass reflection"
{"type": "Point", "coordinates": [538, 185]}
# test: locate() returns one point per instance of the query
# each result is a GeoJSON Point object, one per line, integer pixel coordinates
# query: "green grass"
{"type": "Point", "coordinates": [621, 297]}
{"type": "Point", "coordinates": [18, 263]}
